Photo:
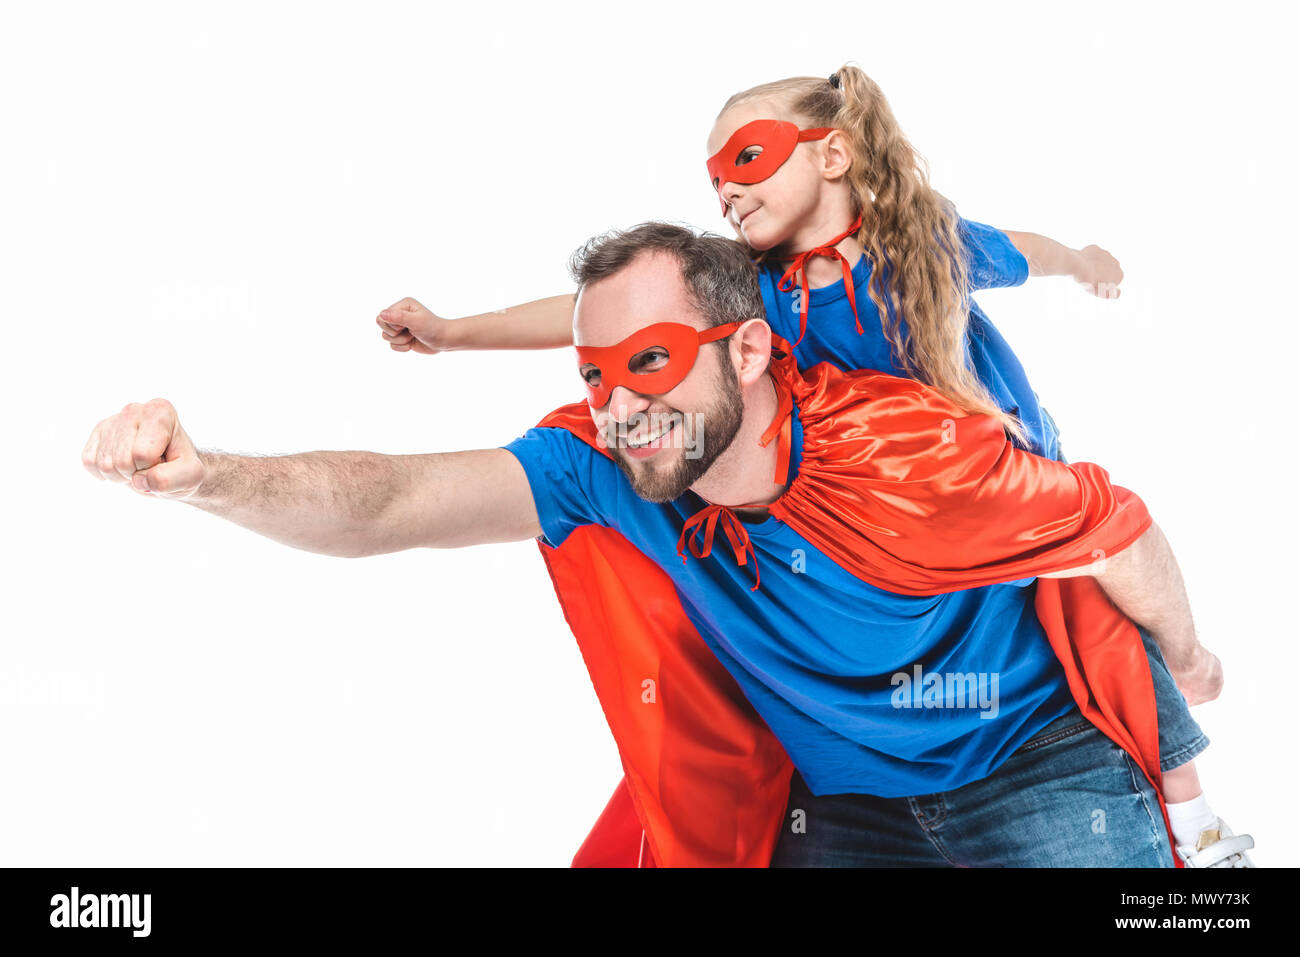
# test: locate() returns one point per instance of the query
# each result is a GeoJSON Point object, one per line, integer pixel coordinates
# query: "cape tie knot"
{"type": "Point", "coordinates": [704, 524]}
{"type": "Point", "coordinates": [797, 273]}
{"type": "Point", "coordinates": [699, 530]}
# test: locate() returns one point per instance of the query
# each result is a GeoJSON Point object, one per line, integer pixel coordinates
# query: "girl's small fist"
{"type": "Point", "coordinates": [410, 327]}
{"type": "Point", "coordinates": [1099, 273]}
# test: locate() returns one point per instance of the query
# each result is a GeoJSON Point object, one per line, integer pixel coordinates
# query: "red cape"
{"type": "Point", "coordinates": [910, 493]}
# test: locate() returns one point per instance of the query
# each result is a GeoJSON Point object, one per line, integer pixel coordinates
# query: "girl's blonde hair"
{"type": "Point", "coordinates": [909, 231]}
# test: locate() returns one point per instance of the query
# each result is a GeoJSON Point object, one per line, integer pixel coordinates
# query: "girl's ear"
{"type": "Point", "coordinates": [754, 339]}
{"type": "Point", "coordinates": [837, 158]}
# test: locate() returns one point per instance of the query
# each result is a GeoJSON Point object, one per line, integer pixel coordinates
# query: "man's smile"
{"type": "Point", "coordinates": [651, 443]}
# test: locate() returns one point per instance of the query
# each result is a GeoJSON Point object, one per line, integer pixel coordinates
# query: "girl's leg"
{"type": "Point", "coordinates": [1181, 783]}
{"type": "Point", "coordinates": [1181, 738]}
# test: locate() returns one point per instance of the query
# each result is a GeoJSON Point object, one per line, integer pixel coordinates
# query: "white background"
{"type": "Point", "coordinates": [210, 203]}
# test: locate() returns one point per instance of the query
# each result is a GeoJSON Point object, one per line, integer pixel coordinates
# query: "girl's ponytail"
{"type": "Point", "coordinates": [909, 231]}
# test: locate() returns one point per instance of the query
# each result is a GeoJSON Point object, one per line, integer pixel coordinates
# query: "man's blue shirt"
{"type": "Point", "coordinates": [821, 654]}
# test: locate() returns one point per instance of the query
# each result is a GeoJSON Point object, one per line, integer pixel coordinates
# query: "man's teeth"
{"type": "Point", "coordinates": [642, 444]}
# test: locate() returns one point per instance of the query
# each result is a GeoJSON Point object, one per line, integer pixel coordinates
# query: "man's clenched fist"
{"type": "Point", "coordinates": [145, 447]}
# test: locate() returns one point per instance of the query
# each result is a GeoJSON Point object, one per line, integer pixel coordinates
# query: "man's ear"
{"type": "Point", "coordinates": [753, 340]}
{"type": "Point", "coordinates": [836, 155]}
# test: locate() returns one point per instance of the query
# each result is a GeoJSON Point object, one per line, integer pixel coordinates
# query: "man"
{"type": "Point", "coordinates": [872, 526]}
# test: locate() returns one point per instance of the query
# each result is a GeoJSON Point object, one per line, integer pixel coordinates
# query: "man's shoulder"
{"type": "Point", "coordinates": [574, 418]}
{"type": "Point", "coordinates": [564, 446]}
{"type": "Point", "coordinates": [573, 481]}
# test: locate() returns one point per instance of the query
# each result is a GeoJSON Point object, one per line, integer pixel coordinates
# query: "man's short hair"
{"type": "Point", "coordinates": [720, 279]}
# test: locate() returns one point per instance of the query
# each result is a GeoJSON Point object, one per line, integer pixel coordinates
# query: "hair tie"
{"type": "Point", "coordinates": [834, 80]}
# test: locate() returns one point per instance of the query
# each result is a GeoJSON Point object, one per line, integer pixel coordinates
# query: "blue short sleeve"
{"type": "Point", "coordinates": [993, 260]}
{"type": "Point", "coordinates": [566, 476]}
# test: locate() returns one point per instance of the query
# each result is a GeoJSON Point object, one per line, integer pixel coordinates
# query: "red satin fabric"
{"type": "Point", "coordinates": [910, 493]}
{"type": "Point", "coordinates": [704, 778]}
{"type": "Point", "coordinates": [916, 496]}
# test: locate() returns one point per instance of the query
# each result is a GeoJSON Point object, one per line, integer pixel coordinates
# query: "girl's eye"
{"type": "Point", "coordinates": [649, 360]}
{"type": "Point", "coordinates": [749, 155]}
{"type": "Point", "coordinates": [591, 376]}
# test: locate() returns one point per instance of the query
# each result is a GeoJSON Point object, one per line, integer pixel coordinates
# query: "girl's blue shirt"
{"type": "Point", "coordinates": [832, 335]}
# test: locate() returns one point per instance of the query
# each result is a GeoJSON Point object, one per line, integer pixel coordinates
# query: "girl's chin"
{"type": "Point", "coordinates": [760, 239]}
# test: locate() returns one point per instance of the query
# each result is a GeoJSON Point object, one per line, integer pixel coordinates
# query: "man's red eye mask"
{"type": "Point", "coordinates": [777, 139]}
{"type": "Point", "coordinates": [613, 363]}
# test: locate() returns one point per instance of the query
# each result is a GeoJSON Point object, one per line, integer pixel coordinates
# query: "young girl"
{"type": "Point", "coordinates": [820, 184]}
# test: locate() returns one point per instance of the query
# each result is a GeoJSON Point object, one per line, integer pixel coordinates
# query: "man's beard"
{"type": "Point", "coordinates": [715, 430]}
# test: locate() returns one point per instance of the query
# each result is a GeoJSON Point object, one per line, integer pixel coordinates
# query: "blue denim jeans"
{"type": "Point", "coordinates": [1181, 738]}
{"type": "Point", "coordinates": [1069, 797]}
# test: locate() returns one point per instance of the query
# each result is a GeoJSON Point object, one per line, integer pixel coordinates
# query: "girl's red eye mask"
{"type": "Point", "coordinates": [651, 361]}
{"type": "Point", "coordinates": [776, 138]}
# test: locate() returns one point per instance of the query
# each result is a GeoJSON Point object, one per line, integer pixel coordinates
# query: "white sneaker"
{"type": "Point", "coordinates": [1218, 847]}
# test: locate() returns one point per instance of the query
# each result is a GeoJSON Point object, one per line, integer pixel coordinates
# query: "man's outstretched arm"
{"type": "Point", "coordinates": [348, 504]}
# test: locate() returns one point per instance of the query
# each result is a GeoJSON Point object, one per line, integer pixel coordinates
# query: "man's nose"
{"type": "Point", "coordinates": [624, 403]}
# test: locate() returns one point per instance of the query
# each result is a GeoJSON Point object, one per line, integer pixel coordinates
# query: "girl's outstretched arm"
{"type": "Point", "coordinates": [1092, 267]}
{"type": "Point", "coordinates": [541, 324]}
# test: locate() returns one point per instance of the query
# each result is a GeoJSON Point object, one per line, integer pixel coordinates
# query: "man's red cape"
{"type": "Point", "coordinates": [910, 493]}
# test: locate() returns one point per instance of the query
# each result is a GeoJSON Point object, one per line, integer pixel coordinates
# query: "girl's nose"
{"type": "Point", "coordinates": [729, 192]}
